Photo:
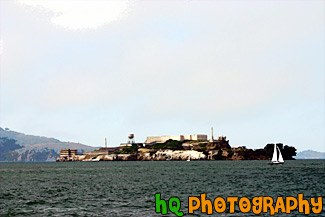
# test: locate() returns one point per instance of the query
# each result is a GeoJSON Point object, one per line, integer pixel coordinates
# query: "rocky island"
{"type": "Point", "coordinates": [177, 148]}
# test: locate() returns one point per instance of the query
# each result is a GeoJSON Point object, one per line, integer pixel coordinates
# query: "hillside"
{"type": "Point", "coordinates": [15, 146]}
{"type": "Point", "coordinates": [309, 154]}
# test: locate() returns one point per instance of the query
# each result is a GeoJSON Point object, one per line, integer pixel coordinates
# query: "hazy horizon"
{"type": "Point", "coordinates": [81, 71]}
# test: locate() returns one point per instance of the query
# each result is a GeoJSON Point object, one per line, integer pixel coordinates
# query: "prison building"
{"type": "Point", "coordinates": [162, 139]}
{"type": "Point", "coordinates": [68, 152]}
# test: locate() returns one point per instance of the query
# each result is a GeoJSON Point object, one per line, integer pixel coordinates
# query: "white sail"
{"type": "Point", "coordinates": [280, 156]}
{"type": "Point", "coordinates": [275, 154]}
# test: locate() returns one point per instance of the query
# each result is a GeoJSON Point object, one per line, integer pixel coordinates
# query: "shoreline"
{"type": "Point", "coordinates": [169, 155]}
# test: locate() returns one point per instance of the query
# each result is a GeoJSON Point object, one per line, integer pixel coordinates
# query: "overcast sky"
{"type": "Point", "coordinates": [84, 70]}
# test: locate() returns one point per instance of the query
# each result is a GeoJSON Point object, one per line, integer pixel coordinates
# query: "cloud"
{"type": "Point", "coordinates": [76, 15]}
{"type": "Point", "coordinates": [172, 67]}
{"type": "Point", "coordinates": [229, 68]}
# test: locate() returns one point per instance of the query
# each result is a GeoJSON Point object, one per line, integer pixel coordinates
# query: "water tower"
{"type": "Point", "coordinates": [131, 138]}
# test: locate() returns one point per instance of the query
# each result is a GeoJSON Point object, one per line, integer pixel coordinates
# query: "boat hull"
{"type": "Point", "coordinates": [275, 163]}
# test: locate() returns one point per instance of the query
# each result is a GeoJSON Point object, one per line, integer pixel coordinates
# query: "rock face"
{"type": "Point", "coordinates": [162, 155]}
{"type": "Point", "coordinates": [178, 155]}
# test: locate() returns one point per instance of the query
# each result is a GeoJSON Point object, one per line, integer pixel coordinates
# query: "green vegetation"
{"type": "Point", "coordinates": [203, 148]}
{"type": "Point", "coordinates": [170, 144]}
{"type": "Point", "coordinates": [128, 150]}
{"type": "Point", "coordinates": [9, 147]}
{"type": "Point", "coordinates": [39, 156]}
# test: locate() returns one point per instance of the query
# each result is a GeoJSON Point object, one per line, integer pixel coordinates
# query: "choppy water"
{"type": "Point", "coordinates": [128, 188]}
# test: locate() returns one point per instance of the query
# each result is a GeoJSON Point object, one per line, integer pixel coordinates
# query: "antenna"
{"type": "Point", "coordinates": [105, 142]}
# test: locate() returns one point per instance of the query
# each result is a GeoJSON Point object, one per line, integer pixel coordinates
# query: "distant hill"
{"type": "Point", "coordinates": [309, 154]}
{"type": "Point", "coordinates": [15, 146]}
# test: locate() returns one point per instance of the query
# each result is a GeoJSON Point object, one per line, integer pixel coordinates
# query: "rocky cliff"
{"type": "Point", "coordinates": [171, 153]}
{"type": "Point", "coordinates": [162, 155]}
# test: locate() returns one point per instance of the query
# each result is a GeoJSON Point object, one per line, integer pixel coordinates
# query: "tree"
{"type": "Point", "coordinates": [289, 152]}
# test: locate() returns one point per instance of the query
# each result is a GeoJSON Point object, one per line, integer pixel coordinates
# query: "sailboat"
{"type": "Point", "coordinates": [276, 159]}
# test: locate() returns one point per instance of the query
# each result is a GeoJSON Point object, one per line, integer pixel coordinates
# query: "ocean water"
{"type": "Point", "coordinates": [129, 188]}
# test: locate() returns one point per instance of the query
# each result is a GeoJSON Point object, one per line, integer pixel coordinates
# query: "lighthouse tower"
{"type": "Point", "coordinates": [211, 140]}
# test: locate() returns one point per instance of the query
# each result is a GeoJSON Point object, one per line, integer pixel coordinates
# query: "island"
{"type": "Point", "coordinates": [177, 148]}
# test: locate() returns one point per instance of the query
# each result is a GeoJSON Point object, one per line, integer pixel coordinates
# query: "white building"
{"type": "Point", "coordinates": [162, 139]}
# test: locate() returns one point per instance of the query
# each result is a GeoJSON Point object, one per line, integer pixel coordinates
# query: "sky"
{"type": "Point", "coordinates": [80, 70]}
